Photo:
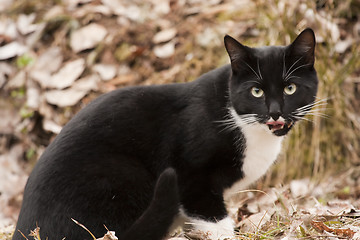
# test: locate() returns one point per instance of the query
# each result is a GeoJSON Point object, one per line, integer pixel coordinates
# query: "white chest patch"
{"type": "Point", "coordinates": [262, 149]}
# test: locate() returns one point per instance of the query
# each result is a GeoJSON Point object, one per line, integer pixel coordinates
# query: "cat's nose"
{"type": "Point", "coordinates": [274, 110]}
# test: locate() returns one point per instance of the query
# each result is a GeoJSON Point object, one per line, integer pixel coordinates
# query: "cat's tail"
{"type": "Point", "coordinates": [155, 222]}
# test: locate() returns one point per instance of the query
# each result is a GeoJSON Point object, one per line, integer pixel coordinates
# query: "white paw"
{"type": "Point", "coordinates": [223, 229]}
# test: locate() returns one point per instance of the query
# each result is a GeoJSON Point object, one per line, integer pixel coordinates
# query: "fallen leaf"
{"type": "Point", "coordinates": [17, 81]}
{"type": "Point", "coordinates": [87, 83]}
{"type": "Point", "coordinates": [67, 74]}
{"type": "Point", "coordinates": [132, 12]}
{"type": "Point", "coordinates": [8, 29]}
{"type": "Point", "coordinates": [105, 71]}
{"type": "Point", "coordinates": [341, 232]}
{"type": "Point", "coordinates": [64, 98]}
{"type": "Point", "coordinates": [53, 55]}
{"type": "Point", "coordinates": [164, 35]}
{"type": "Point", "coordinates": [53, 12]}
{"type": "Point", "coordinates": [254, 222]}
{"type": "Point", "coordinates": [5, 4]}
{"type": "Point", "coordinates": [12, 179]}
{"type": "Point", "coordinates": [11, 50]}
{"type": "Point", "coordinates": [116, 6]}
{"type": "Point", "coordinates": [32, 95]}
{"type": "Point", "coordinates": [164, 51]}
{"type": "Point", "coordinates": [342, 46]}
{"type": "Point", "coordinates": [25, 23]}
{"type": "Point", "coordinates": [71, 96]}
{"type": "Point", "coordinates": [41, 71]}
{"type": "Point", "coordinates": [6, 70]}
{"type": "Point", "coordinates": [51, 126]}
{"type": "Point", "coordinates": [161, 7]}
{"type": "Point", "coordinates": [87, 37]}
{"type": "Point", "coordinates": [91, 9]}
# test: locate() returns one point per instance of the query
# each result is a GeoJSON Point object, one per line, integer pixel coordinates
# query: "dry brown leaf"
{"type": "Point", "coordinates": [41, 70]}
{"type": "Point", "coordinates": [25, 23]}
{"type": "Point", "coordinates": [52, 55]}
{"type": "Point", "coordinates": [8, 29]}
{"type": "Point", "coordinates": [64, 98]}
{"type": "Point", "coordinates": [67, 74]}
{"type": "Point", "coordinates": [87, 37]}
{"type": "Point", "coordinates": [6, 71]}
{"type": "Point", "coordinates": [164, 35]}
{"type": "Point", "coordinates": [72, 95]}
{"type": "Point", "coordinates": [51, 126]}
{"type": "Point", "coordinates": [32, 94]}
{"type": "Point", "coordinates": [11, 50]}
{"type": "Point", "coordinates": [5, 4]}
{"type": "Point", "coordinates": [254, 222]}
{"type": "Point", "coordinates": [53, 12]}
{"type": "Point", "coordinates": [17, 81]}
{"type": "Point", "coordinates": [166, 50]}
{"type": "Point", "coordinates": [105, 71]}
{"type": "Point", "coordinates": [87, 83]}
{"type": "Point", "coordinates": [341, 232]}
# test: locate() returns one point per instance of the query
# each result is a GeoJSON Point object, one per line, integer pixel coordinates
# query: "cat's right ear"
{"type": "Point", "coordinates": [304, 46]}
{"type": "Point", "coordinates": [237, 52]}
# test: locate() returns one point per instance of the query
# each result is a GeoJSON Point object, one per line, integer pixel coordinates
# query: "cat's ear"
{"type": "Point", "coordinates": [304, 46]}
{"type": "Point", "coordinates": [237, 52]}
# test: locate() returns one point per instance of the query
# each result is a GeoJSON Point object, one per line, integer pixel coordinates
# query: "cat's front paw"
{"type": "Point", "coordinates": [221, 230]}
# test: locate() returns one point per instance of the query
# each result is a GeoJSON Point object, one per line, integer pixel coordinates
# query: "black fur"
{"type": "Point", "coordinates": [103, 166]}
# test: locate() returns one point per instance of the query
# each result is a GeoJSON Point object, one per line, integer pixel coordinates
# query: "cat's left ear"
{"type": "Point", "coordinates": [304, 46]}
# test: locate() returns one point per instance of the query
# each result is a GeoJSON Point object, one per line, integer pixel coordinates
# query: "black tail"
{"type": "Point", "coordinates": [158, 217]}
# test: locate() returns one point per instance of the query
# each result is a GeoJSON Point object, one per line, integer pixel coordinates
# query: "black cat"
{"type": "Point", "coordinates": [197, 142]}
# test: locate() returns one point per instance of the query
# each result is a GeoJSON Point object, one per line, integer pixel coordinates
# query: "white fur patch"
{"type": "Point", "coordinates": [262, 149]}
{"type": "Point", "coordinates": [214, 230]}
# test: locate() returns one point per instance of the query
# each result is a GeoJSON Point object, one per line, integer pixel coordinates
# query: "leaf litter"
{"type": "Point", "coordinates": [57, 58]}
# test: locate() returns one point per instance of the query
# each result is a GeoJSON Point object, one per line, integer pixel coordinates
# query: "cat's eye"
{"type": "Point", "coordinates": [290, 89]}
{"type": "Point", "coordinates": [257, 92]}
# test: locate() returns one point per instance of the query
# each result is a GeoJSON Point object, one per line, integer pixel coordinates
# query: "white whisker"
{"type": "Point", "coordinates": [287, 79]}
{"type": "Point", "coordinates": [314, 109]}
{"type": "Point", "coordinates": [301, 118]}
{"type": "Point", "coordinates": [257, 75]}
{"type": "Point", "coordinates": [287, 72]}
{"type": "Point", "coordinates": [321, 102]}
{"type": "Point", "coordinates": [258, 66]}
{"type": "Point", "coordinates": [284, 67]}
{"type": "Point", "coordinates": [301, 66]}
{"type": "Point", "coordinates": [230, 124]}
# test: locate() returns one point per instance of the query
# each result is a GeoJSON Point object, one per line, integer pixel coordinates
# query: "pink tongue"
{"type": "Point", "coordinates": [275, 124]}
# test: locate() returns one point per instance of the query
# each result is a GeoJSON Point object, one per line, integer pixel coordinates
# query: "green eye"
{"type": "Point", "coordinates": [290, 89]}
{"type": "Point", "coordinates": [257, 92]}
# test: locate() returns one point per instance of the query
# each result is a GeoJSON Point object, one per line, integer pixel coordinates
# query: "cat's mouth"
{"type": "Point", "coordinates": [275, 125]}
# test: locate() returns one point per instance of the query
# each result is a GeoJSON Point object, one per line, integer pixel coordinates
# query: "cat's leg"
{"type": "Point", "coordinates": [207, 214]}
{"type": "Point", "coordinates": [155, 222]}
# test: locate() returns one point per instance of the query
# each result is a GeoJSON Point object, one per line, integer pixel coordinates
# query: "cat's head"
{"type": "Point", "coordinates": [274, 86]}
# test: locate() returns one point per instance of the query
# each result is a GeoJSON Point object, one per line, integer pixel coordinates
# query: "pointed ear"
{"type": "Point", "coordinates": [237, 52]}
{"type": "Point", "coordinates": [304, 46]}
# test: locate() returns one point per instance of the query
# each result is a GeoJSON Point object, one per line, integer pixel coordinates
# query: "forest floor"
{"type": "Point", "coordinates": [57, 56]}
